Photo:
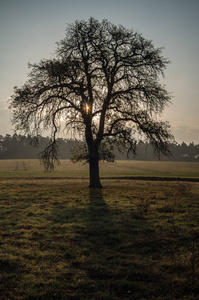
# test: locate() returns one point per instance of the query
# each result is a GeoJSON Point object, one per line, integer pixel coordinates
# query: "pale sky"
{"type": "Point", "coordinates": [29, 30]}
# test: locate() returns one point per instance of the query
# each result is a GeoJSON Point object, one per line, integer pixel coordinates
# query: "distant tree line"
{"type": "Point", "coordinates": [20, 147]}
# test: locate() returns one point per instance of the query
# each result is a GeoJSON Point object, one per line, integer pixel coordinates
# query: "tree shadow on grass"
{"type": "Point", "coordinates": [116, 264]}
{"type": "Point", "coordinates": [102, 231]}
{"type": "Point", "coordinates": [91, 239]}
{"type": "Point", "coordinates": [113, 252]}
{"type": "Point", "coordinates": [102, 234]}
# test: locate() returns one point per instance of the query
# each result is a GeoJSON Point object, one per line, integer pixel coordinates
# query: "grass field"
{"type": "Point", "coordinates": [33, 168]}
{"type": "Point", "coordinates": [131, 240]}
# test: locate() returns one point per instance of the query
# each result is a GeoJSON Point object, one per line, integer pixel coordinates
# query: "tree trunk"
{"type": "Point", "coordinates": [94, 166]}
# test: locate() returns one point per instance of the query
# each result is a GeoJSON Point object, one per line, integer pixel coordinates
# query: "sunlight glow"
{"type": "Point", "coordinates": [87, 108]}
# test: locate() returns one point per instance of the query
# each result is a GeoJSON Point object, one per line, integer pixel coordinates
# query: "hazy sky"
{"type": "Point", "coordinates": [29, 30]}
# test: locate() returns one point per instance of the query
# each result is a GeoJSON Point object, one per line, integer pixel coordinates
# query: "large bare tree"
{"type": "Point", "coordinates": [104, 84]}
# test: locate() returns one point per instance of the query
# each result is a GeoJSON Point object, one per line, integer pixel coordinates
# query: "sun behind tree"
{"type": "Point", "coordinates": [104, 83]}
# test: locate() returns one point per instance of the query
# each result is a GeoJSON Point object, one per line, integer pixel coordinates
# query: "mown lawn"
{"type": "Point", "coordinates": [130, 240]}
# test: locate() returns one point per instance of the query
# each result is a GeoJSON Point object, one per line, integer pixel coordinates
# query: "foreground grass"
{"type": "Point", "coordinates": [132, 240]}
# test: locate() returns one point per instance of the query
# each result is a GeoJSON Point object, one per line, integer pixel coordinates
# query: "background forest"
{"type": "Point", "coordinates": [19, 147]}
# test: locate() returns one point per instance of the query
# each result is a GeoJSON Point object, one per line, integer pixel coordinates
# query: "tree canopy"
{"type": "Point", "coordinates": [104, 84]}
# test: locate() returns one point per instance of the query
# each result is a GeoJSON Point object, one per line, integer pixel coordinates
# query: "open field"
{"type": "Point", "coordinates": [33, 168]}
{"type": "Point", "coordinates": [131, 240]}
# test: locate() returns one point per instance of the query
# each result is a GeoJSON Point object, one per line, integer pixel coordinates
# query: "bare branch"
{"type": "Point", "coordinates": [103, 81]}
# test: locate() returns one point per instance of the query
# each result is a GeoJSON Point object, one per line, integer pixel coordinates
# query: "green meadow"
{"type": "Point", "coordinates": [134, 239]}
{"type": "Point", "coordinates": [123, 168]}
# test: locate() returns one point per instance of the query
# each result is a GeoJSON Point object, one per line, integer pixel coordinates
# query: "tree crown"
{"type": "Point", "coordinates": [103, 83]}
